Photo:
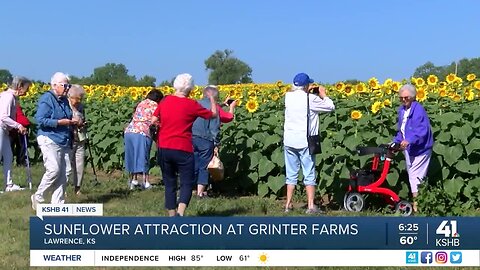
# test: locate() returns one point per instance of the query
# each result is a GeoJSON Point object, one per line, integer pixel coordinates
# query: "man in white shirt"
{"type": "Point", "coordinates": [295, 136]}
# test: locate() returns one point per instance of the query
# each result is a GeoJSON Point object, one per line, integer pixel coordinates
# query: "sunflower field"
{"type": "Point", "coordinates": [366, 114]}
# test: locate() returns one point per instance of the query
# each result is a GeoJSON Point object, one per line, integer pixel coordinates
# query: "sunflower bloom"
{"type": "Point", "coordinates": [355, 114]}
{"type": "Point", "coordinates": [442, 93]}
{"type": "Point", "coordinates": [387, 103]}
{"type": "Point", "coordinates": [469, 95]}
{"type": "Point", "coordinates": [432, 80]}
{"type": "Point", "coordinates": [373, 83]}
{"type": "Point", "coordinates": [396, 86]}
{"type": "Point", "coordinates": [457, 97]}
{"type": "Point", "coordinates": [387, 83]}
{"type": "Point", "coordinates": [360, 88]}
{"type": "Point", "coordinates": [471, 77]}
{"type": "Point", "coordinates": [349, 90]}
{"type": "Point", "coordinates": [339, 86]}
{"type": "Point", "coordinates": [450, 78]}
{"type": "Point", "coordinates": [252, 105]}
{"type": "Point", "coordinates": [376, 106]}
{"type": "Point", "coordinates": [477, 85]}
{"type": "Point", "coordinates": [275, 97]}
{"type": "Point", "coordinates": [419, 82]}
{"type": "Point", "coordinates": [421, 95]}
{"type": "Point", "coordinates": [279, 84]}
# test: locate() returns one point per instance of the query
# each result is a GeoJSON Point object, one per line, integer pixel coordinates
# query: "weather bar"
{"type": "Point", "coordinates": [184, 258]}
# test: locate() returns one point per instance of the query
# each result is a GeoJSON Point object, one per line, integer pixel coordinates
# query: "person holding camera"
{"type": "Point", "coordinates": [205, 136]}
{"type": "Point", "coordinates": [8, 123]}
{"type": "Point", "coordinates": [76, 160]}
{"type": "Point", "coordinates": [55, 138]}
{"type": "Point", "coordinates": [138, 140]}
{"type": "Point", "coordinates": [176, 114]}
{"type": "Point", "coordinates": [297, 154]}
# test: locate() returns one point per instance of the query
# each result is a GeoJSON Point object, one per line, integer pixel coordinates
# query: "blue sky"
{"type": "Point", "coordinates": [330, 40]}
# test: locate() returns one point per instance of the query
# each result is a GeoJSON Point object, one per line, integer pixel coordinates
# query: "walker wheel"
{"type": "Point", "coordinates": [353, 202]}
{"type": "Point", "coordinates": [404, 208]}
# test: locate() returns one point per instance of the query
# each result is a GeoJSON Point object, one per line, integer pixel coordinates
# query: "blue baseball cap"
{"type": "Point", "coordinates": [302, 79]}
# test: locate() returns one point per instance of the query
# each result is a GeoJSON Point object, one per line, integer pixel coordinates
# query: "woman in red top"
{"type": "Point", "coordinates": [175, 115]}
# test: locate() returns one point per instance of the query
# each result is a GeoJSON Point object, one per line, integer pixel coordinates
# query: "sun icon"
{"type": "Point", "coordinates": [263, 258]}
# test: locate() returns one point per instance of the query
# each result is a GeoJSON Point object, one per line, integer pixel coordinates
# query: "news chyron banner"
{"type": "Point", "coordinates": [78, 235]}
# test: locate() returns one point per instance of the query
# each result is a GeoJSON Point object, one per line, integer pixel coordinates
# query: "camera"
{"type": "Point", "coordinates": [230, 101]}
{"type": "Point", "coordinates": [315, 90]}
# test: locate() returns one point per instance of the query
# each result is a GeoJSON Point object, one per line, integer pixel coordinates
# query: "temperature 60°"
{"type": "Point", "coordinates": [407, 240]}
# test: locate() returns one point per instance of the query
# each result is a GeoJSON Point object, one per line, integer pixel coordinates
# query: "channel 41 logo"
{"type": "Point", "coordinates": [411, 257]}
{"type": "Point", "coordinates": [449, 233]}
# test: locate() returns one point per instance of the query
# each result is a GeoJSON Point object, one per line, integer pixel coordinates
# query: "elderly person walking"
{"type": "Point", "coordinates": [206, 137]}
{"type": "Point", "coordinates": [55, 138]}
{"type": "Point", "coordinates": [138, 140]}
{"type": "Point", "coordinates": [295, 136]}
{"type": "Point", "coordinates": [176, 114]}
{"type": "Point", "coordinates": [415, 137]}
{"type": "Point", "coordinates": [76, 162]}
{"type": "Point", "coordinates": [8, 112]}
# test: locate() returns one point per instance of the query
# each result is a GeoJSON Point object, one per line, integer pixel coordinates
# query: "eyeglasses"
{"type": "Point", "coordinates": [66, 86]}
{"type": "Point", "coordinates": [404, 98]}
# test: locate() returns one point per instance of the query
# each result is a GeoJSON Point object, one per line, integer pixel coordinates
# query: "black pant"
{"type": "Point", "coordinates": [18, 148]}
{"type": "Point", "coordinates": [173, 163]}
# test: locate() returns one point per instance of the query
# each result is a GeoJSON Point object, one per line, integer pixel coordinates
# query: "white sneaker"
{"type": "Point", "coordinates": [131, 186]}
{"type": "Point", "coordinates": [134, 182]}
{"type": "Point", "coordinates": [34, 202]}
{"type": "Point", "coordinates": [13, 187]}
{"type": "Point", "coordinates": [147, 185]}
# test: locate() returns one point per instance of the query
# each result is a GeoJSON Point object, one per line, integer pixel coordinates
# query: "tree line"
{"type": "Point", "coordinates": [224, 68]}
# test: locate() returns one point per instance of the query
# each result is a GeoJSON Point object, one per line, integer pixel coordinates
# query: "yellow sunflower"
{"type": "Point", "coordinates": [396, 86]}
{"type": "Point", "coordinates": [279, 84]}
{"type": "Point", "coordinates": [373, 83]}
{"type": "Point", "coordinates": [471, 77]}
{"type": "Point", "coordinates": [275, 97]}
{"type": "Point", "coordinates": [457, 97]}
{"type": "Point", "coordinates": [442, 93]}
{"type": "Point", "coordinates": [469, 95]}
{"type": "Point", "coordinates": [387, 103]}
{"type": "Point", "coordinates": [355, 114]}
{"type": "Point", "coordinates": [376, 106]}
{"type": "Point", "coordinates": [432, 79]}
{"type": "Point", "coordinates": [421, 95]}
{"type": "Point", "coordinates": [477, 85]}
{"type": "Point", "coordinates": [360, 87]}
{"type": "Point", "coordinates": [387, 83]}
{"type": "Point", "coordinates": [252, 105]}
{"type": "Point", "coordinates": [419, 82]}
{"type": "Point", "coordinates": [450, 78]}
{"type": "Point", "coordinates": [340, 86]}
{"type": "Point", "coordinates": [349, 90]}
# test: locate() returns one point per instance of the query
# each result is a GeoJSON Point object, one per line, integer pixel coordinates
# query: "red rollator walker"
{"type": "Point", "coordinates": [370, 180]}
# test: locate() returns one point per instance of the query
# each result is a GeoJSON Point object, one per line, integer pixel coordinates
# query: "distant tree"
{"type": "Point", "coordinates": [5, 76]}
{"type": "Point", "coordinates": [146, 81]}
{"type": "Point", "coordinates": [167, 83]}
{"type": "Point", "coordinates": [352, 81]}
{"type": "Point", "coordinates": [462, 68]}
{"type": "Point", "coordinates": [226, 69]}
{"type": "Point", "coordinates": [112, 73]}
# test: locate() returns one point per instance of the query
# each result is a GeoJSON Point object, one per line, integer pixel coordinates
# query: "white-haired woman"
{"type": "Point", "coordinates": [176, 114]}
{"type": "Point", "coordinates": [415, 137]}
{"type": "Point", "coordinates": [54, 136]}
{"type": "Point", "coordinates": [76, 161]}
{"type": "Point", "coordinates": [8, 112]}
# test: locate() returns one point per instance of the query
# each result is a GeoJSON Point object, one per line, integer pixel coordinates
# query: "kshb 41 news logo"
{"type": "Point", "coordinates": [449, 233]}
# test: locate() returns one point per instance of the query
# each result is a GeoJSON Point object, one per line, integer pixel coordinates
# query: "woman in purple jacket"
{"type": "Point", "coordinates": [414, 136]}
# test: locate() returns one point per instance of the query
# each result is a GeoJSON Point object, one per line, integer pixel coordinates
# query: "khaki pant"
{"type": "Point", "coordinates": [76, 163]}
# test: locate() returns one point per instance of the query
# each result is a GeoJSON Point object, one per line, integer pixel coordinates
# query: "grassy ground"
{"type": "Point", "coordinates": [119, 201]}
